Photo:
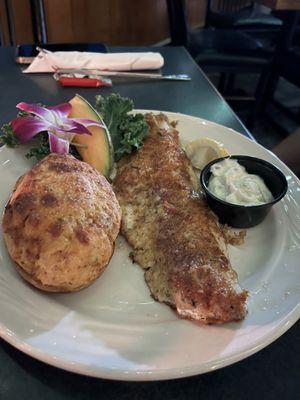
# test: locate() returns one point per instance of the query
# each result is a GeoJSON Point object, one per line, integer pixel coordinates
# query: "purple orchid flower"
{"type": "Point", "coordinates": [61, 129]}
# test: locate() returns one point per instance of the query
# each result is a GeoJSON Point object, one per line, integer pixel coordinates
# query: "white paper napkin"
{"type": "Point", "coordinates": [49, 62]}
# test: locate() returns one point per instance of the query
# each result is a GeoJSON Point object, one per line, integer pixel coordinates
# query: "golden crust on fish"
{"type": "Point", "coordinates": [174, 235]}
{"type": "Point", "coordinates": [60, 224]}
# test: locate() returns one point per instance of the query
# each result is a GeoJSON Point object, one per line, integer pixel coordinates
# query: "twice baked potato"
{"type": "Point", "coordinates": [60, 224]}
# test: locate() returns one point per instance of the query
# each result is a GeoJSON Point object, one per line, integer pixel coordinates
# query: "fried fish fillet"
{"type": "Point", "coordinates": [174, 235]}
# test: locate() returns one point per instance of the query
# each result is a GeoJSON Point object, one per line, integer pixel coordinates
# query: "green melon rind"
{"type": "Point", "coordinates": [107, 135]}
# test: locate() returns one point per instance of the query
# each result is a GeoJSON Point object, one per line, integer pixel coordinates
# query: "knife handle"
{"type": "Point", "coordinates": [81, 82]}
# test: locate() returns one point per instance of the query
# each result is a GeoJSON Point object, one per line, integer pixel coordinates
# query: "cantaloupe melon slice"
{"type": "Point", "coordinates": [96, 149]}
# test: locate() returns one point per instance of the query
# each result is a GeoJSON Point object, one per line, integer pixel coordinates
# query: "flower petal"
{"type": "Point", "coordinates": [40, 112]}
{"type": "Point", "coordinates": [73, 127]}
{"type": "Point", "coordinates": [62, 110]}
{"type": "Point", "coordinates": [87, 122]}
{"type": "Point", "coordinates": [27, 127]}
{"type": "Point", "coordinates": [58, 145]}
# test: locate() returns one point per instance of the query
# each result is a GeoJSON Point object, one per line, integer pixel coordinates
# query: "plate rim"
{"type": "Point", "coordinates": [163, 374]}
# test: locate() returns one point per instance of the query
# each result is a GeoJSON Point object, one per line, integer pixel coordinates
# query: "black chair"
{"type": "Point", "coordinates": [285, 63]}
{"type": "Point", "coordinates": [221, 41]}
{"type": "Point", "coordinates": [227, 52]}
{"type": "Point", "coordinates": [288, 68]}
{"type": "Point", "coordinates": [240, 14]}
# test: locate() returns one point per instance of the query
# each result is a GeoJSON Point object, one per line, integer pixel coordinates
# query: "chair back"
{"type": "Point", "coordinates": [228, 6]}
{"type": "Point", "coordinates": [179, 31]}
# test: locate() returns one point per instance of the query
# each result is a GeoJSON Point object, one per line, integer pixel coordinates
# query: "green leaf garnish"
{"type": "Point", "coordinates": [8, 137]}
{"type": "Point", "coordinates": [127, 131]}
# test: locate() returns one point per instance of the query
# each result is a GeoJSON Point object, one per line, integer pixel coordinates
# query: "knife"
{"type": "Point", "coordinates": [117, 74]}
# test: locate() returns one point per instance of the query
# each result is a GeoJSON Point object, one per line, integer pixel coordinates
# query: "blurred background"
{"type": "Point", "coordinates": [250, 50]}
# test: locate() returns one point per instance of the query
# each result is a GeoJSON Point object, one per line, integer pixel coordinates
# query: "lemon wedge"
{"type": "Point", "coordinates": [204, 150]}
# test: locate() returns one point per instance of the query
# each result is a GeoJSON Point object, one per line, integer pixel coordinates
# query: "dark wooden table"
{"type": "Point", "coordinates": [272, 373]}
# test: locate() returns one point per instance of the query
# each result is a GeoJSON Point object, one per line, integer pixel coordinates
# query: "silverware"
{"type": "Point", "coordinates": [121, 74]}
{"type": "Point", "coordinates": [117, 74]}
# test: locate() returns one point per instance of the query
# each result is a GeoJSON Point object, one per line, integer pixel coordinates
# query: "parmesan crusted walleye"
{"type": "Point", "coordinates": [174, 235]}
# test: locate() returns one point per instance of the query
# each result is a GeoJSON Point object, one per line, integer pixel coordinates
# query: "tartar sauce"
{"type": "Point", "coordinates": [231, 182]}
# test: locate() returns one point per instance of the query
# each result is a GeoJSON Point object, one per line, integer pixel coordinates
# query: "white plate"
{"type": "Point", "coordinates": [114, 329]}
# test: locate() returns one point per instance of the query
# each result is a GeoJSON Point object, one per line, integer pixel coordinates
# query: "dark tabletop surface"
{"type": "Point", "coordinates": [197, 97]}
{"type": "Point", "coordinates": [273, 373]}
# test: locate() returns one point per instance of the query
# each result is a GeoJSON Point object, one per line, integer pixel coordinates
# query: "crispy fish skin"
{"type": "Point", "coordinates": [174, 235]}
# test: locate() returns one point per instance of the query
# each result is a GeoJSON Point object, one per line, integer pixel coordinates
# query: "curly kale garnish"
{"type": "Point", "coordinates": [22, 113]}
{"type": "Point", "coordinates": [38, 151]}
{"type": "Point", "coordinates": [133, 130]}
{"type": "Point", "coordinates": [127, 131]}
{"type": "Point", "coordinates": [41, 147]}
{"type": "Point", "coordinates": [8, 137]}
